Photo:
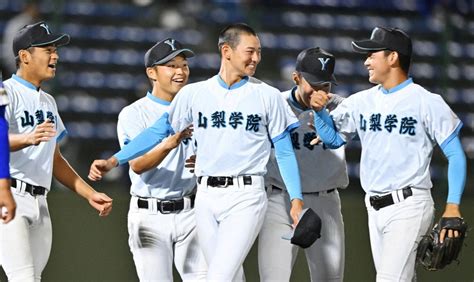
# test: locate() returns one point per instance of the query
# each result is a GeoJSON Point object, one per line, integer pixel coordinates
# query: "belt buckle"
{"type": "Point", "coordinates": [226, 183]}
{"type": "Point", "coordinates": [373, 202]}
{"type": "Point", "coordinates": [167, 202]}
{"type": "Point", "coordinates": [35, 190]}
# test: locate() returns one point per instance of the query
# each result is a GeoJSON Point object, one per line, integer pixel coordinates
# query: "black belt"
{"type": "Point", "coordinates": [166, 206]}
{"type": "Point", "coordinates": [378, 202]}
{"type": "Point", "coordinates": [224, 181]}
{"type": "Point", "coordinates": [309, 193]}
{"type": "Point", "coordinates": [32, 189]}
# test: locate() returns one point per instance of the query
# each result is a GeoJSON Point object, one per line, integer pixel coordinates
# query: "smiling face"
{"type": "Point", "coordinates": [245, 56]}
{"type": "Point", "coordinates": [378, 65]}
{"type": "Point", "coordinates": [170, 77]}
{"type": "Point", "coordinates": [38, 64]}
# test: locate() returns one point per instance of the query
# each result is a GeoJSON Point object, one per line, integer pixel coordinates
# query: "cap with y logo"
{"type": "Point", "coordinates": [316, 66]}
{"type": "Point", "coordinates": [37, 35]}
{"type": "Point", "coordinates": [164, 51]}
{"type": "Point", "coordinates": [383, 38]}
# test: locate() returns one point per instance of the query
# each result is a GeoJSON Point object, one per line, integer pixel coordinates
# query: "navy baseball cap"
{"type": "Point", "coordinates": [383, 38]}
{"type": "Point", "coordinates": [164, 51]}
{"type": "Point", "coordinates": [37, 35]}
{"type": "Point", "coordinates": [307, 231]}
{"type": "Point", "coordinates": [316, 66]}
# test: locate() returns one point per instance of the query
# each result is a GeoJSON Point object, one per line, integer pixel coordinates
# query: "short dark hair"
{"type": "Point", "coordinates": [404, 60]}
{"type": "Point", "coordinates": [231, 34]}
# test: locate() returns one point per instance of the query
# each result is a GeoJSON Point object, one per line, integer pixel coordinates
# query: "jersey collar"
{"type": "Point", "coordinates": [25, 83]}
{"type": "Point", "coordinates": [396, 88]}
{"type": "Point", "coordinates": [236, 85]}
{"type": "Point", "coordinates": [293, 100]}
{"type": "Point", "coordinates": [157, 100]}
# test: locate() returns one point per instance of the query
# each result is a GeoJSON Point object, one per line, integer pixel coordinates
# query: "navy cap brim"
{"type": "Point", "coordinates": [188, 53]}
{"type": "Point", "coordinates": [315, 80]}
{"type": "Point", "coordinates": [366, 46]}
{"type": "Point", "coordinates": [53, 39]}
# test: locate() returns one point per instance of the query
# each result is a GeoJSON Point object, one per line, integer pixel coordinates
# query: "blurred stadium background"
{"type": "Point", "coordinates": [101, 71]}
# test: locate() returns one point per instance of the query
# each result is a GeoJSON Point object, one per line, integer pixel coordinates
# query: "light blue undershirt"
{"type": "Point", "coordinates": [145, 141]}
{"type": "Point", "coordinates": [288, 166]}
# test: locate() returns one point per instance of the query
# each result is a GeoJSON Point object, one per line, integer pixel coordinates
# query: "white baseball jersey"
{"type": "Point", "coordinates": [320, 169]}
{"type": "Point", "coordinates": [28, 108]}
{"type": "Point", "coordinates": [247, 113]}
{"type": "Point", "coordinates": [170, 180]}
{"type": "Point", "coordinates": [398, 132]}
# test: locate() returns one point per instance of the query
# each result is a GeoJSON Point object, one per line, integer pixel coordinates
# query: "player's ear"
{"type": "Point", "coordinates": [24, 56]}
{"type": "Point", "coordinates": [296, 78]}
{"type": "Point", "coordinates": [393, 58]}
{"type": "Point", "coordinates": [151, 73]}
{"type": "Point", "coordinates": [226, 51]}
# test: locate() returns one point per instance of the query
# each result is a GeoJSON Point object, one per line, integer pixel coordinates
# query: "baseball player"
{"type": "Point", "coordinates": [233, 115]}
{"type": "Point", "coordinates": [322, 172]}
{"type": "Point", "coordinates": [7, 203]}
{"type": "Point", "coordinates": [35, 127]}
{"type": "Point", "coordinates": [161, 221]}
{"type": "Point", "coordinates": [398, 123]}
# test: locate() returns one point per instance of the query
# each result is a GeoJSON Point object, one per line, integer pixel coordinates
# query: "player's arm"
{"type": "Point", "coordinates": [288, 166]}
{"type": "Point", "coordinates": [141, 144]}
{"type": "Point", "coordinates": [154, 157]}
{"type": "Point", "coordinates": [42, 133]}
{"type": "Point", "coordinates": [323, 122]}
{"type": "Point", "coordinates": [7, 203]}
{"type": "Point", "coordinates": [452, 149]}
{"type": "Point", "coordinates": [65, 174]}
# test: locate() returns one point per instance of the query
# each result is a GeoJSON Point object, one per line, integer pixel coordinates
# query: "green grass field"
{"type": "Point", "coordinates": [89, 248]}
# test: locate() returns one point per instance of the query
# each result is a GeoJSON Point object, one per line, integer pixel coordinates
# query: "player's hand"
{"type": "Point", "coordinates": [101, 202]}
{"type": "Point", "coordinates": [451, 210]}
{"type": "Point", "coordinates": [99, 168]}
{"type": "Point", "coordinates": [295, 211]}
{"type": "Point", "coordinates": [174, 140]}
{"type": "Point", "coordinates": [42, 133]}
{"type": "Point", "coordinates": [318, 100]}
{"type": "Point", "coordinates": [190, 163]}
{"type": "Point", "coordinates": [7, 203]}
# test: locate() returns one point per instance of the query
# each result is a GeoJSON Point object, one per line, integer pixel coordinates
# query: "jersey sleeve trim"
{"type": "Point", "coordinates": [452, 136]}
{"type": "Point", "coordinates": [290, 128]}
{"type": "Point", "coordinates": [61, 136]}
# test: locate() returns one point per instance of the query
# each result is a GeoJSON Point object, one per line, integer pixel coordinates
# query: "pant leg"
{"type": "Point", "coordinates": [206, 223]}
{"type": "Point", "coordinates": [41, 236]}
{"type": "Point", "coordinates": [14, 239]}
{"type": "Point", "coordinates": [188, 255]}
{"type": "Point", "coordinates": [401, 226]}
{"type": "Point", "coordinates": [239, 213]}
{"type": "Point", "coordinates": [25, 242]}
{"type": "Point", "coordinates": [276, 256]}
{"type": "Point", "coordinates": [327, 255]}
{"type": "Point", "coordinates": [150, 242]}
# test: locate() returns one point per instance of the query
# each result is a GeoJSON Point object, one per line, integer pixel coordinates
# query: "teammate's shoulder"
{"type": "Point", "coordinates": [9, 84]}
{"type": "Point", "coordinates": [423, 92]}
{"type": "Point", "coordinates": [262, 86]}
{"type": "Point", "coordinates": [362, 94]}
{"type": "Point", "coordinates": [134, 108]}
{"type": "Point", "coordinates": [286, 94]}
{"type": "Point", "coordinates": [195, 86]}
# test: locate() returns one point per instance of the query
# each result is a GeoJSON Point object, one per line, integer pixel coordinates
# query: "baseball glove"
{"type": "Point", "coordinates": [434, 255]}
